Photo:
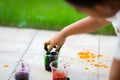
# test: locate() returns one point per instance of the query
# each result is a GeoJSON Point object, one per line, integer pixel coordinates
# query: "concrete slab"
{"type": "Point", "coordinates": [9, 59]}
{"type": "Point", "coordinates": [14, 41]}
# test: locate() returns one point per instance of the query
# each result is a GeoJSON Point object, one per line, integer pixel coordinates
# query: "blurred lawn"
{"type": "Point", "coordinates": [41, 14]}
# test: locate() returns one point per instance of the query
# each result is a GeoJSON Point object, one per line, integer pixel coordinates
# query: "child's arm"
{"type": "Point", "coordinates": [83, 26]}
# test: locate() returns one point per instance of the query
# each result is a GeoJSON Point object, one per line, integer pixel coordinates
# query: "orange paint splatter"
{"type": "Point", "coordinates": [90, 57]}
{"type": "Point", "coordinates": [99, 55]}
{"type": "Point", "coordinates": [105, 66]}
{"type": "Point", "coordinates": [5, 65]}
{"type": "Point", "coordinates": [88, 60]}
{"type": "Point", "coordinates": [93, 60]}
{"type": "Point", "coordinates": [86, 68]}
{"type": "Point", "coordinates": [86, 55]}
{"type": "Point", "coordinates": [93, 72]}
{"type": "Point", "coordinates": [72, 58]}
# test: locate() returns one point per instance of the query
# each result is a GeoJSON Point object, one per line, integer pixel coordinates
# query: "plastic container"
{"type": "Point", "coordinates": [22, 72]}
{"type": "Point", "coordinates": [59, 73]}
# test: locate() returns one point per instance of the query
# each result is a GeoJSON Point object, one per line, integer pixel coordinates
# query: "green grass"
{"type": "Point", "coordinates": [41, 14]}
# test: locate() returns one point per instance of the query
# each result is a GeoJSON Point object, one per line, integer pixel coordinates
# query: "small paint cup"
{"type": "Point", "coordinates": [22, 72]}
{"type": "Point", "coordinates": [59, 73]}
{"type": "Point", "coordinates": [48, 58]}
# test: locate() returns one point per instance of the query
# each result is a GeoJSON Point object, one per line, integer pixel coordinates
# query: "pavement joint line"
{"type": "Point", "coordinates": [99, 48]}
{"type": "Point", "coordinates": [25, 52]}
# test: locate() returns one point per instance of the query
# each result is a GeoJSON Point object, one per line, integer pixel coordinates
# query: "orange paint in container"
{"type": "Point", "coordinates": [59, 75]}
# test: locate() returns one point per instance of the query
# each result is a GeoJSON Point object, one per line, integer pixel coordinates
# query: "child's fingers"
{"type": "Point", "coordinates": [58, 48]}
{"type": "Point", "coordinates": [51, 47]}
{"type": "Point", "coordinates": [46, 45]}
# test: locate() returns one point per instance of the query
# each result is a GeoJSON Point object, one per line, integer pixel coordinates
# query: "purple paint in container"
{"type": "Point", "coordinates": [22, 72]}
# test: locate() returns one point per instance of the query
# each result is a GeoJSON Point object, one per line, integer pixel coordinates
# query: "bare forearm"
{"type": "Point", "coordinates": [84, 26]}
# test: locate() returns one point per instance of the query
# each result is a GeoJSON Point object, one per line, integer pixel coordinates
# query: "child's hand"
{"type": "Point", "coordinates": [56, 41]}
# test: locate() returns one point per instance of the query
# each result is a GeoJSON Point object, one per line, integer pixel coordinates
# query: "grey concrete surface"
{"type": "Point", "coordinates": [14, 41]}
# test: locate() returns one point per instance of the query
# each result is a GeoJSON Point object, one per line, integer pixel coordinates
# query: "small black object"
{"type": "Point", "coordinates": [68, 78]}
{"type": "Point", "coordinates": [48, 58]}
